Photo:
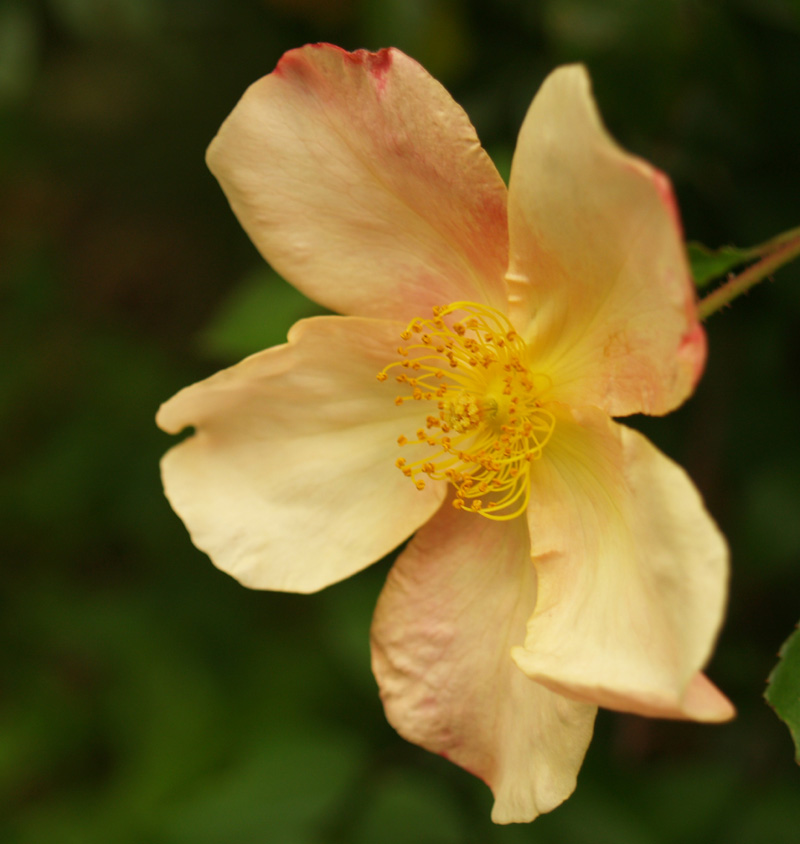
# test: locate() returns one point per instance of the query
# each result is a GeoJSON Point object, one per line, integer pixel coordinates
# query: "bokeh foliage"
{"type": "Point", "coordinates": [146, 697]}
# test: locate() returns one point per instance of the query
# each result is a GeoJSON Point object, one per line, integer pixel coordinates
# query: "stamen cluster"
{"type": "Point", "coordinates": [487, 422]}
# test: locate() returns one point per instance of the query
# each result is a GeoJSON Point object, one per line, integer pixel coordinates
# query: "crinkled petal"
{"type": "Point", "coordinates": [598, 271]}
{"type": "Point", "coordinates": [455, 603]}
{"type": "Point", "coordinates": [363, 183]}
{"type": "Point", "coordinates": [289, 480]}
{"type": "Point", "coordinates": [632, 575]}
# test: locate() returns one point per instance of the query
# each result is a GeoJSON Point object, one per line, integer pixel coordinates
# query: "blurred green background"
{"type": "Point", "coordinates": [146, 697]}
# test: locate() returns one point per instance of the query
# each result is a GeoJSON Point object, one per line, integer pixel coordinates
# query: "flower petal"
{"type": "Point", "coordinates": [598, 271]}
{"type": "Point", "coordinates": [363, 183]}
{"type": "Point", "coordinates": [289, 482]}
{"type": "Point", "coordinates": [454, 604]}
{"type": "Point", "coordinates": [632, 575]}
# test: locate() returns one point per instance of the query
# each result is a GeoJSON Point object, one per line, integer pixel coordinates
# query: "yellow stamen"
{"type": "Point", "coordinates": [486, 417]}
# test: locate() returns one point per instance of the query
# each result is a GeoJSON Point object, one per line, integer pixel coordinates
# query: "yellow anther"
{"type": "Point", "coordinates": [488, 417]}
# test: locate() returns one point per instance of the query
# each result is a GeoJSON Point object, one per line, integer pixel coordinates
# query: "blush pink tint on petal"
{"type": "Point", "coordinates": [632, 574]}
{"type": "Point", "coordinates": [455, 603]}
{"type": "Point", "coordinates": [289, 481]}
{"type": "Point", "coordinates": [364, 184]}
{"type": "Point", "coordinates": [598, 276]}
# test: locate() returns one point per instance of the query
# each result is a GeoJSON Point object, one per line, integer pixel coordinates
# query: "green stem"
{"type": "Point", "coordinates": [773, 243]}
{"type": "Point", "coordinates": [784, 248]}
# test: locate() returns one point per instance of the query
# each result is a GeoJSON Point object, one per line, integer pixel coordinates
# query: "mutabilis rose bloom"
{"type": "Point", "coordinates": [560, 562]}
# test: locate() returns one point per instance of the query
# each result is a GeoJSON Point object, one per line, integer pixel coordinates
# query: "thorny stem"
{"type": "Point", "coordinates": [769, 246]}
{"type": "Point", "coordinates": [776, 252]}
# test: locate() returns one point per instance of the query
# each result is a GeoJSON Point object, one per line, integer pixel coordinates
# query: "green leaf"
{"type": "Point", "coordinates": [708, 264]}
{"type": "Point", "coordinates": [19, 51]}
{"type": "Point", "coordinates": [783, 688]}
{"type": "Point", "coordinates": [257, 314]}
{"type": "Point", "coordinates": [283, 788]}
{"type": "Point", "coordinates": [408, 805]}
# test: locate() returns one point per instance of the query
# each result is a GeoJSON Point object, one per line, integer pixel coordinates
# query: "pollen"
{"type": "Point", "coordinates": [485, 411]}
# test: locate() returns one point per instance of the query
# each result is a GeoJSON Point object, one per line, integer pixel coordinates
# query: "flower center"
{"type": "Point", "coordinates": [486, 421]}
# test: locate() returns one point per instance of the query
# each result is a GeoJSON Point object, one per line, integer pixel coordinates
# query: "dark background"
{"type": "Point", "coordinates": [149, 699]}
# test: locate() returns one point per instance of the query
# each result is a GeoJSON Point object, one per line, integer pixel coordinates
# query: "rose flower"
{"type": "Point", "coordinates": [559, 561]}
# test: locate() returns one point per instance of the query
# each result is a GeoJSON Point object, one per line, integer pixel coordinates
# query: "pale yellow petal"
{"type": "Point", "coordinates": [455, 603]}
{"type": "Point", "coordinates": [632, 570]}
{"type": "Point", "coordinates": [289, 480]}
{"type": "Point", "coordinates": [598, 271]}
{"type": "Point", "coordinates": [364, 184]}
